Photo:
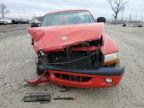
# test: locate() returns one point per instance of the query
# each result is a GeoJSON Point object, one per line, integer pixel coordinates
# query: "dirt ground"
{"type": "Point", "coordinates": [17, 62]}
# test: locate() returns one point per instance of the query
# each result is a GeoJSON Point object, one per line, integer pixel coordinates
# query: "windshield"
{"type": "Point", "coordinates": [66, 18]}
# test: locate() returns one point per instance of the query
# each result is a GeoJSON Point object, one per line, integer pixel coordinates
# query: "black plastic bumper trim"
{"type": "Point", "coordinates": [104, 71]}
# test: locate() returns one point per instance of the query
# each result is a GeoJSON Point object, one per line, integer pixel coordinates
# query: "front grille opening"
{"type": "Point", "coordinates": [80, 58]}
{"type": "Point", "coordinates": [72, 77]}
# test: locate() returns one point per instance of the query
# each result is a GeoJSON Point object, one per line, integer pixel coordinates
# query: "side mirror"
{"type": "Point", "coordinates": [101, 19]}
{"type": "Point", "coordinates": [35, 24]}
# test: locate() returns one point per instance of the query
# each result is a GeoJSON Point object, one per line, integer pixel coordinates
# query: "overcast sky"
{"type": "Point", "coordinates": [30, 8]}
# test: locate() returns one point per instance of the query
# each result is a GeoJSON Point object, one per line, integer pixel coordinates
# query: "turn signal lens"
{"type": "Point", "coordinates": [110, 59]}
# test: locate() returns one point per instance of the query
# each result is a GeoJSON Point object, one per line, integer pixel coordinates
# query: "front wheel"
{"type": "Point", "coordinates": [39, 72]}
{"type": "Point", "coordinates": [39, 61]}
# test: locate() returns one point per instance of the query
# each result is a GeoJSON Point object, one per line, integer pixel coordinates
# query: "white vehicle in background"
{"type": "Point", "coordinates": [5, 21]}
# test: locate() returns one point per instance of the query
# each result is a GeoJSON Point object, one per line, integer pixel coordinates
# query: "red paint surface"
{"type": "Point", "coordinates": [50, 38]}
{"type": "Point", "coordinates": [109, 46]}
{"type": "Point", "coordinates": [95, 81]}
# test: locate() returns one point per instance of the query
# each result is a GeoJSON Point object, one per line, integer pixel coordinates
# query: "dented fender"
{"type": "Point", "coordinates": [109, 45]}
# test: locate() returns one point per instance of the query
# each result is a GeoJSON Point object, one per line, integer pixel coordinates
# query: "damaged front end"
{"type": "Point", "coordinates": [86, 55]}
{"type": "Point", "coordinates": [69, 60]}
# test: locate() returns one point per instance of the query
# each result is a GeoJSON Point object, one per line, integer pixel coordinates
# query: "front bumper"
{"type": "Point", "coordinates": [84, 78]}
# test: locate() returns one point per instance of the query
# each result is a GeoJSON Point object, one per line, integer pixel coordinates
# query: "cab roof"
{"type": "Point", "coordinates": [67, 10]}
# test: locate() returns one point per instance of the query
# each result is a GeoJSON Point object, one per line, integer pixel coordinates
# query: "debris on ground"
{"type": "Point", "coordinates": [124, 25]}
{"type": "Point", "coordinates": [63, 98]}
{"type": "Point", "coordinates": [42, 97]}
{"type": "Point", "coordinates": [140, 25]}
{"type": "Point", "coordinates": [65, 89]}
{"type": "Point", "coordinates": [37, 97]}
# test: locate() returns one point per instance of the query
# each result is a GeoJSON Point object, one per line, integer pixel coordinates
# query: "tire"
{"type": "Point", "coordinates": [39, 72]}
{"type": "Point", "coordinates": [139, 25]}
{"type": "Point", "coordinates": [124, 25]}
{"type": "Point", "coordinates": [38, 69]}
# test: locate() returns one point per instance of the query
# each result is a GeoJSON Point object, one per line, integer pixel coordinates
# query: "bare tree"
{"type": "Point", "coordinates": [117, 6]}
{"type": "Point", "coordinates": [3, 10]}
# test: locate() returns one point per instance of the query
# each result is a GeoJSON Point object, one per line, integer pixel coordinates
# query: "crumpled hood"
{"type": "Point", "coordinates": [59, 37]}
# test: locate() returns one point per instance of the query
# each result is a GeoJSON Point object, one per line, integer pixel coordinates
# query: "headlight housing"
{"type": "Point", "coordinates": [111, 59]}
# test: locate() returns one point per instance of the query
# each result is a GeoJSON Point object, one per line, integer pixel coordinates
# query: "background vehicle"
{"type": "Point", "coordinates": [15, 21]}
{"type": "Point", "coordinates": [5, 21]}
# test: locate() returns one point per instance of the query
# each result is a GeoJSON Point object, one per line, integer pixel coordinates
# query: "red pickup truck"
{"type": "Point", "coordinates": [73, 50]}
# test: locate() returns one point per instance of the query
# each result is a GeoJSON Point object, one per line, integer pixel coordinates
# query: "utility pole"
{"type": "Point", "coordinates": [122, 13]}
{"type": "Point", "coordinates": [130, 18]}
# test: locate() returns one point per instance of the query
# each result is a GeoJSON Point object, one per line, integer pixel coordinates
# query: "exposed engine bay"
{"type": "Point", "coordinates": [86, 55]}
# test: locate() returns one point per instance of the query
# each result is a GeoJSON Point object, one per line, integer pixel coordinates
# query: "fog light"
{"type": "Point", "coordinates": [108, 80]}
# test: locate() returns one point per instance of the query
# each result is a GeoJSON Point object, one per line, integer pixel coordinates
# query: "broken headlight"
{"type": "Point", "coordinates": [111, 59]}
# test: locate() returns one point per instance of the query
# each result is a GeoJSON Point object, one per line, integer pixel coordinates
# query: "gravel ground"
{"type": "Point", "coordinates": [17, 62]}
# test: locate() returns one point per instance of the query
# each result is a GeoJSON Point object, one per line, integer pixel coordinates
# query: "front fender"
{"type": "Point", "coordinates": [109, 45]}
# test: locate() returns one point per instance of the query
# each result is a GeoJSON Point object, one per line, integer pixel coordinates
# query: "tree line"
{"type": "Point", "coordinates": [3, 10]}
{"type": "Point", "coordinates": [117, 6]}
